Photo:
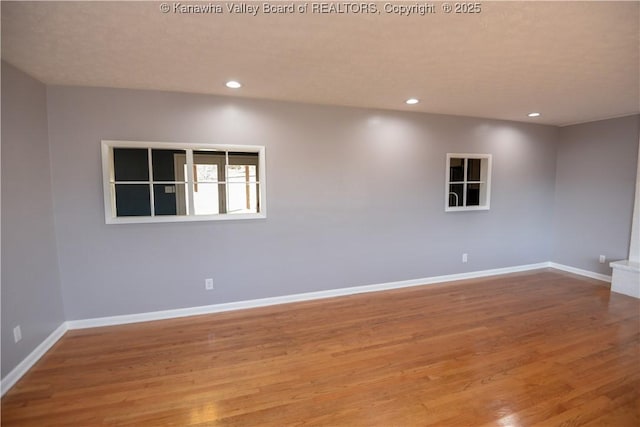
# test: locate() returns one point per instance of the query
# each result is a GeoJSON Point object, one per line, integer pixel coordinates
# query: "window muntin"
{"type": "Point", "coordinates": [166, 182]}
{"type": "Point", "coordinates": [468, 182]}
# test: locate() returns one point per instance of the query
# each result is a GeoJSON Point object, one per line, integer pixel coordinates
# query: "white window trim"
{"type": "Point", "coordinates": [108, 177]}
{"type": "Point", "coordinates": [484, 207]}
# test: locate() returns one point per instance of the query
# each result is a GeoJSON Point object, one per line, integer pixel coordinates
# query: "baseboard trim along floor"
{"type": "Point", "coordinates": [284, 299]}
{"type": "Point", "coordinates": [26, 364]}
{"type": "Point", "coordinates": [580, 272]}
{"type": "Point", "coordinates": [12, 377]}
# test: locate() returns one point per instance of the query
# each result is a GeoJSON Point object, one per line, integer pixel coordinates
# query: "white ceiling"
{"type": "Point", "coordinates": [571, 61]}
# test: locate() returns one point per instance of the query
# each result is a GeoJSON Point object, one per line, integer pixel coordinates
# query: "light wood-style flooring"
{"type": "Point", "coordinates": [538, 348]}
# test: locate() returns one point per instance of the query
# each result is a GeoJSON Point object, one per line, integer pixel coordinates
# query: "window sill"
{"type": "Point", "coordinates": [466, 208]}
{"type": "Point", "coordinates": [183, 218]}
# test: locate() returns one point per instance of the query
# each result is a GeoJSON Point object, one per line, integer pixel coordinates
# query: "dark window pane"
{"type": "Point", "coordinates": [165, 163]}
{"type": "Point", "coordinates": [133, 200]}
{"type": "Point", "coordinates": [131, 164]}
{"type": "Point", "coordinates": [236, 158]}
{"type": "Point", "coordinates": [473, 194]}
{"type": "Point", "coordinates": [214, 156]}
{"type": "Point", "coordinates": [455, 195]}
{"type": "Point", "coordinates": [456, 170]}
{"type": "Point", "coordinates": [243, 154]}
{"type": "Point", "coordinates": [164, 199]}
{"type": "Point", "coordinates": [473, 169]}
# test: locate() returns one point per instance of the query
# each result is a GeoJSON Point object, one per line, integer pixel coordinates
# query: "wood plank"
{"type": "Point", "coordinates": [535, 348]}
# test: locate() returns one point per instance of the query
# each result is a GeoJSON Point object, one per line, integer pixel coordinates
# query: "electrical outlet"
{"type": "Point", "coordinates": [208, 284]}
{"type": "Point", "coordinates": [17, 333]}
{"type": "Point", "coordinates": [603, 259]}
{"type": "Point", "coordinates": [465, 258]}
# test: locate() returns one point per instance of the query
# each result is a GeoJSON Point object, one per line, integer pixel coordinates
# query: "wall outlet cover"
{"type": "Point", "coordinates": [17, 334]}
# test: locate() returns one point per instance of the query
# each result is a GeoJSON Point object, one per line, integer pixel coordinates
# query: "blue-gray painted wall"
{"type": "Point", "coordinates": [354, 197]}
{"type": "Point", "coordinates": [31, 294]}
{"type": "Point", "coordinates": [595, 188]}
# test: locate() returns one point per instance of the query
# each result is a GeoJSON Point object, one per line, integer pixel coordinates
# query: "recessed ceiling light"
{"type": "Point", "coordinates": [533, 114]}
{"type": "Point", "coordinates": [412, 101]}
{"type": "Point", "coordinates": [232, 84]}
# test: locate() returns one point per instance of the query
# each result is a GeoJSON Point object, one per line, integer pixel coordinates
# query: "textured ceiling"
{"type": "Point", "coordinates": [571, 61]}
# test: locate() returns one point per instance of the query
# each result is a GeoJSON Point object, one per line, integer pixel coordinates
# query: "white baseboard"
{"type": "Point", "coordinates": [308, 296]}
{"type": "Point", "coordinates": [580, 272]}
{"type": "Point", "coordinates": [12, 377]}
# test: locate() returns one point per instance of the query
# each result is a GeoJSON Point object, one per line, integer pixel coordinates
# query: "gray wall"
{"type": "Point", "coordinates": [354, 197]}
{"type": "Point", "coordinates": [595, 185]}
{"type": "Point", "coordinates": [31, 294]}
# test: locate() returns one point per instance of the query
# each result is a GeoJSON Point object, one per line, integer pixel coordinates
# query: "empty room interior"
{"type": "Point", "coordinates": [320, 213]}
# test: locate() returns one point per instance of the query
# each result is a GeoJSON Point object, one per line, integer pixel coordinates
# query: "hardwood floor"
{"type": "Point", "coordinates": [538, 348]}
